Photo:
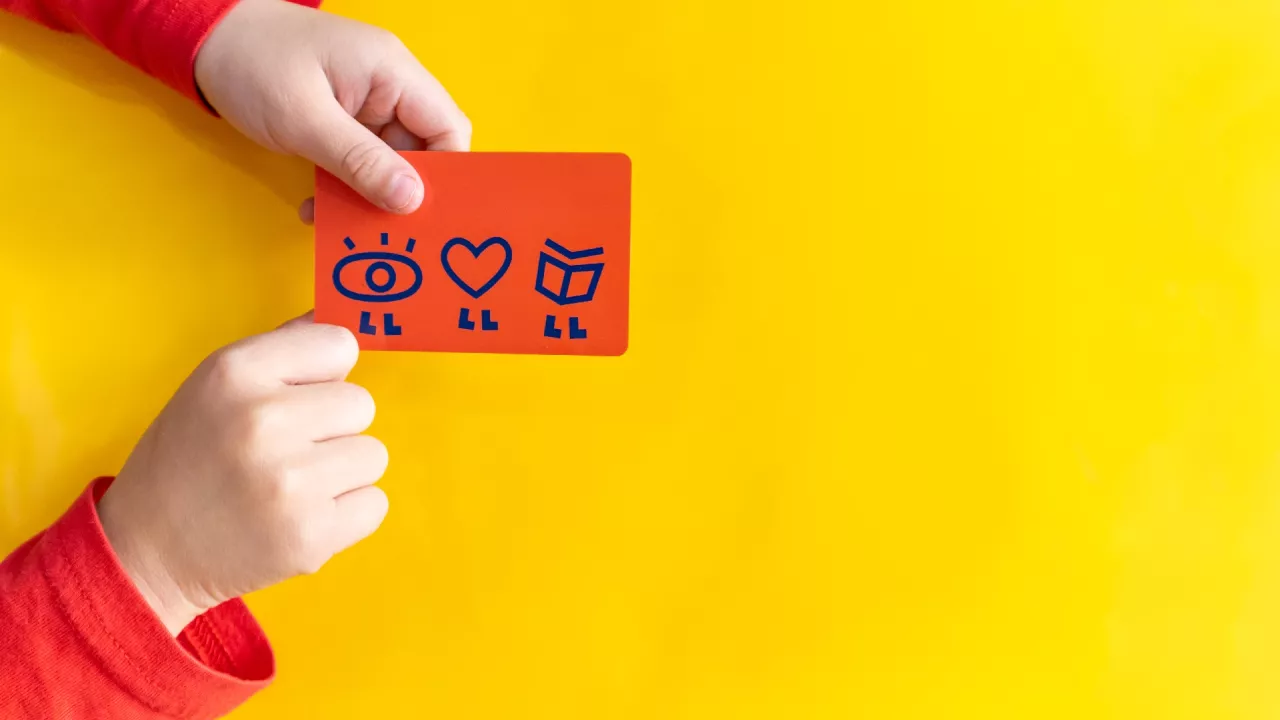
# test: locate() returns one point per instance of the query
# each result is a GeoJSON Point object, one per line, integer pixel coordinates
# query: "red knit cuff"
{"type": "Point", "coordinates": [169, 36]}
{"type": "Point", "coordinates": [227, 639]}
{"type": "Point", "coordinates": [220, 660]}
{"type": "Point", "coordinates": [160, 37]}
{"type": "Point", "coordinates": [180, 28]}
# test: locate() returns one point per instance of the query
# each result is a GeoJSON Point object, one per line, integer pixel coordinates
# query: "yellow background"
{"type": "Point", "coordinates": [954, 381]}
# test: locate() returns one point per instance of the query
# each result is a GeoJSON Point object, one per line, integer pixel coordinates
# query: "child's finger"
{"type": "Point", "coordinates": [298, 353]}
{"type": "Point", "coordinates": [346, 464]}
{"type": "Point", "coordinates": [428, 112]}
{"type": "Point", "coordinates": [337, 142]}
{"type": "Point", "coordinates": [359, 513]}
{"type": "Point", "coordinates": [306, 318]}
{"type": "Point", "coordinates": [327, 410]}
{"type": "Point", "coordinates": [307, 211]}
{"type": "Point", "coordinates": [398, 137]}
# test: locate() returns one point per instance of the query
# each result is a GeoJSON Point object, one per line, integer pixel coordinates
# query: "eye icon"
{"type": "Point", "coordinates": [377, 276]}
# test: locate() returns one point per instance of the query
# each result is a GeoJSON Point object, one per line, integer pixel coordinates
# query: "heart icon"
{"type": "Point", "coordinates": [476, 251]}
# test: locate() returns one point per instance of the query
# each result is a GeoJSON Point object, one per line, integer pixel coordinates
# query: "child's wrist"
{"type": "Point", "coordinates": [153, 583]}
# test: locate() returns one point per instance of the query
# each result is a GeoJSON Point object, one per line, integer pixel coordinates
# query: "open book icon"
{"type": "Point", "coordinates": [564, 283]}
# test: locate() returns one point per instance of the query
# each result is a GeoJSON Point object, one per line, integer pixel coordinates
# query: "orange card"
{"type": "Point", "coordinates": [511, 253]}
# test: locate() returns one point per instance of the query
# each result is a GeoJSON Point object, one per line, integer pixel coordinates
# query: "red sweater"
{"type": "Point", "coordinates": [77, 640]}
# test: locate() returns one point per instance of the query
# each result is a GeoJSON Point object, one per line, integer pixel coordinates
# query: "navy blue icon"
{"type": "Point", "coordinates": [379, 278]}
{"type": "Point", "coordinates": [566, 284]}
{"type": "Point", "coordinates": [487, 323]}
{"type": "Point", "coordinates": [575, 333]}
{"type": "Point", "coordinates": [389, 326]}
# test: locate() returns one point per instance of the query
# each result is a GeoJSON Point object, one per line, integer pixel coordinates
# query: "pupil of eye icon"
{"type": "Point", "coordinates": [370, 277]}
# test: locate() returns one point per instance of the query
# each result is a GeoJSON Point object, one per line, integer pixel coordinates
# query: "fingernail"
{"type": "Point", "coordinates": [404, 191]}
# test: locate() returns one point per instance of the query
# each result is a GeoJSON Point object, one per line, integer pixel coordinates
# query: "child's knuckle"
{"type": "Point", "coordinates": [379, 456]}
{"type": "Point", "coordinates": [385, 39]}
{"type": "Point", "coordinates": [361, 160]}
{"type": "Point", "coordinates": [359, 404]}
{"type": "Point", "coordinates": [338, 343]}
{"type": "Point", "coordinates": [260, 423]}
{"type": "Point", "coordinates": [264, 487]}
{"type": "Point", "coordinates": [288, 481]}
{"type": "Point", "coordinates": [312, 563]}
{"type": "Point", "coordinates": [230, 365]}
{"type": "Point", "coordinates": [309, 556]}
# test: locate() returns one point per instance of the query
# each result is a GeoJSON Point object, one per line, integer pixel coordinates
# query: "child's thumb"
{"type": "Point", "coordinates": [306, 318]}
{"type": "Point", "coordinates": [338, 143]}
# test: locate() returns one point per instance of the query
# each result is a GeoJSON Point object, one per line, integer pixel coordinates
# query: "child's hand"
{"type": "Point", "coordinates": [255, 472]}
{"type": "Point", "coordinates": [338, 92]}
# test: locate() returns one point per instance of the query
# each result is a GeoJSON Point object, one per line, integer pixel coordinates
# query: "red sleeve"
{"type": "Point", "coordinates": [78, 641]}
{"type": "Point", "coordinates": [160, 37]}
